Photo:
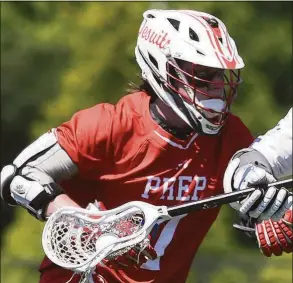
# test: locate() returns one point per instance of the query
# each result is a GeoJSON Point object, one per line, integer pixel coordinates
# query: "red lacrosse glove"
{"type": "Point", "coordinates": [135, 257]}
{"type": "Point", "coordinates": [275, 237]}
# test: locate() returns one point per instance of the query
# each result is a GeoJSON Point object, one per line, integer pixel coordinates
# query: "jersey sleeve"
{"type": "Point", "coordinates": [276, 146]}
{"type": "Point", "coordinates": [86, 137]}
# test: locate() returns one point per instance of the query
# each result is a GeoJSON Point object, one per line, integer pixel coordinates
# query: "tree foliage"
{"type": "Point", "coordinates": [59, 57]}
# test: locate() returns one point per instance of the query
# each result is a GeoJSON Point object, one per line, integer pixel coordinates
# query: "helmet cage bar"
{"type": "Point", "coordinates": [229, 81]}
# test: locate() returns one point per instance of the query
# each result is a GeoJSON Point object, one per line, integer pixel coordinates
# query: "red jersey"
{"type": "Point", "coordinates": [124, 155]}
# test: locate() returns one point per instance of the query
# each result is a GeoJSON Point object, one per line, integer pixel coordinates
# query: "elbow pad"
{"type": "Point", "coordinates": [33, 196]}
{"type": "Point", "coordinates": [16, 189]}
{"type": "Point", "coordinates": [7, 174]}
{"type": "Point", "coordinates": [29, 186]}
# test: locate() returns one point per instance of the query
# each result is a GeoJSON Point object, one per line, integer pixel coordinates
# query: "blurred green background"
{"type": "Point", "coordinates": [57, 58]}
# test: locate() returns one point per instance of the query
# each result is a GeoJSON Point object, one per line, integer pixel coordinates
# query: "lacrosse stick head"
{"type": "Point", "coordinates": [78, 239]}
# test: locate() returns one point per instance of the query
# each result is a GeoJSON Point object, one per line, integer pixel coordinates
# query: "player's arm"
{"type": "Point", "coordinates": [32, 180]}
{"type": "Point", "coordinates": [276, 146]}
{"type": "Point", "coordinates": [267, 159]}
{"type": "Point", "coordinates": [267, 217]}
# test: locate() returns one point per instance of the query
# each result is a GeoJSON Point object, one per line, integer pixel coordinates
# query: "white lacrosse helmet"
{"type": "Point", "coordinates": [170, 40]}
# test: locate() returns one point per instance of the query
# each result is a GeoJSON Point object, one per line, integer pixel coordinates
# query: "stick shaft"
{"type": "Point", "coordinates": [219, 200]}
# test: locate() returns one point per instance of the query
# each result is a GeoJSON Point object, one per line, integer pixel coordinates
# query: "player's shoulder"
{"type": "Point", "coordinates": [128, 110]}
{"type": "Point", "coordinates": [132, 111]}
{"type": "Point", "coordinates": [96, 111]}
{"type": "Point", "coordinates": [133, 103]}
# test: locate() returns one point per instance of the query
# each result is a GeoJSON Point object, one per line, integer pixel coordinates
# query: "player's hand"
{"type": "Point", "coordinates": [275, 237]}
{"type": "Point", "coordinates": [250, 169]}
{"type": "Point", "coordinates": [136, 256]}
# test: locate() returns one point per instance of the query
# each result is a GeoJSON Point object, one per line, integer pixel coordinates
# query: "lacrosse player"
{"type": "Point", "coordinates": [167, 142]}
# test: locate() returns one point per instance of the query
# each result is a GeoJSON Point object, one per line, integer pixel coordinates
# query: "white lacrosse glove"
{"type": "Point", "coordinates": [249, 168]}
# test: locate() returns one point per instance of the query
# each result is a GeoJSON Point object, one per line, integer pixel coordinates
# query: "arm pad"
{"type": "Point", "coordinates": [7, 174]}
{"type": "Point", "coordinates": [33, 196]}
{"type": "Point", "coordinates": [30, 194]}
{"type": "Point", "coordinates": [32, 180]}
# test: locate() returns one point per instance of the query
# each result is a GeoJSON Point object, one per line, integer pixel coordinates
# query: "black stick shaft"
{"type": "Point", "coordinates": [218, 200]}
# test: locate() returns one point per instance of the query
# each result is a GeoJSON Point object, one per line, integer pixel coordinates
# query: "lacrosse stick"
{"type": "Point", "coordinates": [79, 239]}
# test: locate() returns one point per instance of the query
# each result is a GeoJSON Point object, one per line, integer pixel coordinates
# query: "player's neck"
{"type": "Point", "coordinates": [169, 120]}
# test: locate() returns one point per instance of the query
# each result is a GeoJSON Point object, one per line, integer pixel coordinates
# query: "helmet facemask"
{"type": "Point", "coordinates": [208, 91]}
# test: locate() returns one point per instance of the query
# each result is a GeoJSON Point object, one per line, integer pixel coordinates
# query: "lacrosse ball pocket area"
{"type": "Point", "coordinates": [106, 242]}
